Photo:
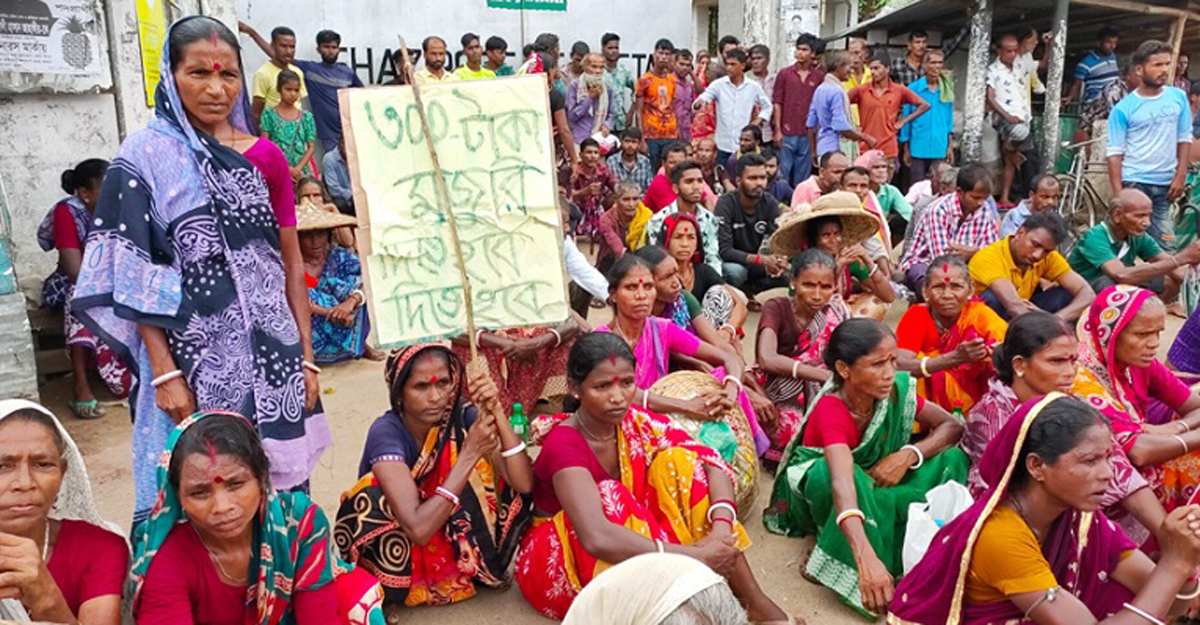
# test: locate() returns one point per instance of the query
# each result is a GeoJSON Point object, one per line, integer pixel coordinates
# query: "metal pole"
{"type": "Point", "coordinates": [1176, 44]}
{"type": "Point", "coordinates": [1054, 79]}
{"type": "Point", "coordinates": [974, 109]}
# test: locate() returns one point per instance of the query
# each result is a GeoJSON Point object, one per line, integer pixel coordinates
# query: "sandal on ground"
{"type": "Point", "coordinates": [754, 305]}
{"type": "Point", "coordinates": [87, 410]}
{"type": "Point", "coordinates": [598, 303]}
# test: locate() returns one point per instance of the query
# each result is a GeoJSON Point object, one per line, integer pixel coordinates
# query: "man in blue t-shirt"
{"type": "Point", "coordinates": [323, 79]}
{"type": "Point", "coordinates": [1097, 68]}
{"type": "Point", "coordinates": [1149, 134]}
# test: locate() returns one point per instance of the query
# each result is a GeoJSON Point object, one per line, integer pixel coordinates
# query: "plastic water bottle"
{"type": "Point", "coordinates": [519, 423]}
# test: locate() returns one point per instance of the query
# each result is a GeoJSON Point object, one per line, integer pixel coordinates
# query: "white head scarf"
{"type": "Point", "coordinates": [75, 501]}
{"type": "Point", "coordinates": [642, 590]}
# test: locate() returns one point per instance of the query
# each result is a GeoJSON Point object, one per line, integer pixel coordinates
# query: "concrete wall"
{"type": "Point", "coordinates": [48, 124]}
{"type": "Point", "coordinates": [370, 32]}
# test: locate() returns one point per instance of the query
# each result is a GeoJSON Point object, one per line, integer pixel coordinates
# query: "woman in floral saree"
{"type": "Point", "coordinates": [947, 342]}
{"type": "Point", "coordinates": [613, 481]}
{"type": "Point", "coordinates": [222, 547]}
{"type": "Point", "coordinates": [1155, 417]}
{"type": "Point", "coordinates": [851, 473]}
{"type": "Point", "coordinates": [1035, 548]}
{"type": "Point", "coordinates": [442, 497]}
{"type": "Point", "coordinates": [792, 335]}
{"type": "Point", "coordinates": [195, 278]}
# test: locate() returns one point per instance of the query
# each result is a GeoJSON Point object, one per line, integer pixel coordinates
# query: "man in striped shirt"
{"type": "Point", "coordinates": [1097, 69]}
{"type": "Point", "coordinates": [958, 223]}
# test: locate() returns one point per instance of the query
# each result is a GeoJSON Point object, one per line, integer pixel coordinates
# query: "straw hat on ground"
{"type": "Point", "coordinates": [311, 217]}
{"type": "Point", "coordinates": [858, 224]}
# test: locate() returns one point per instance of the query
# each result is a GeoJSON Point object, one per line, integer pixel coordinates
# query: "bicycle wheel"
{"type": "Point", "coordinates": [1080, 204]}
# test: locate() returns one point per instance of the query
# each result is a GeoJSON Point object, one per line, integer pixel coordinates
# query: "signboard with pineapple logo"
{"type": "Point", "coordinates": [50, 37]}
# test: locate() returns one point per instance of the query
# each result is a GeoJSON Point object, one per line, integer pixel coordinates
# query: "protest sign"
{"type": "Point", "coordinates": [493, 143]}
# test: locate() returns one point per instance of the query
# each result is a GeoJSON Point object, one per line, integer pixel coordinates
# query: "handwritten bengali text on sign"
{"type": "Point", "coordinates": [493, 143]}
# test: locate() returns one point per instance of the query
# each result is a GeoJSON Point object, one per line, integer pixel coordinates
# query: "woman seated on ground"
{"type": "Point", "coordinates": [890, 201]}
{"type": "Point", "coordinates": [315, 192]}
{"type": "Point", "coordinates": [334, 278]}
{"type": "Point", "coordinates": [613, 481]}
{"type": "Point", "coordinates": [792, 335]}
{"type": "Point", "coordinates": [438, 507]}
{"type": "Point", "coordinates": [948, 340]}
{"type": "Point", "coordinates": [1154, 416]}
{"type": "Point", "coordinates": [853, 474]}
{"type": "Point", "coordinates": [1036, 548]}
{"type": "Point", "coordinates": [59, 561]}
{"type": "Point", "coordinates": [65, 229]}
{"type": "Point", "coordinates": [837, 225]}
{"type": "Point", "coordinates": [679, 305]}
{"type": "Point", "coordinates": [723, 305]}
{"type": "Point", "coordinates": [219, 533]}
{"type": "Point", "coordinates": [1040, 356]}
{"type": "Point", "coordinates": [655, 340]}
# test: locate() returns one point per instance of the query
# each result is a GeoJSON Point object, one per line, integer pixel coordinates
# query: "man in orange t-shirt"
{"type": "Point", "coordinates": [879, 104]}
{"type": "Point", "coordinates": [655, 101]}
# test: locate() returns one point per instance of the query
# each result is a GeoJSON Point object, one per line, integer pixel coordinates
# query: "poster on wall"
{"type": "Point", "coordinates": [529, 5]}
{"type": "Point", "coordinates": [152, 27]}
{"type": "Point", "coordinates": [50, 37]}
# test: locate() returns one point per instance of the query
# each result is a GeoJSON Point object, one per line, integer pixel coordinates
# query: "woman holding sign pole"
{"type": "Point", "coordinates": [194, 276]}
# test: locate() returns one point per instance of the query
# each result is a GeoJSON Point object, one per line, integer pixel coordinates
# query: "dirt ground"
{"type": "Point", "coordinates": [354, 395]}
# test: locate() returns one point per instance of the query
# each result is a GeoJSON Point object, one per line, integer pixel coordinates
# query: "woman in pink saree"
{"type": "Point", "coordinates": [1036, 549]}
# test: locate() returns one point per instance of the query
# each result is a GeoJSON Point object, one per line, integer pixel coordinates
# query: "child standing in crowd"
{"type": "Point", "coordinates": [290, 127]}
{"type": "Point", "coordinates": [591, 186]}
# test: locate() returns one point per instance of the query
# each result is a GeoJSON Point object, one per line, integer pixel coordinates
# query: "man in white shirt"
{"type": "Point", "coordinates": [736, 98]}
{"type": "Point", "coordinates": [1008, 99]}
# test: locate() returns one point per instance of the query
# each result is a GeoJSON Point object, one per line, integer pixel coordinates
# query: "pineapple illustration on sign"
{"type": "Point", "coordinates": [76, 42]}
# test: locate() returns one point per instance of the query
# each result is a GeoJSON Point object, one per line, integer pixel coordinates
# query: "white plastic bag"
{"type": "Point", "coordinates": [942, 504]}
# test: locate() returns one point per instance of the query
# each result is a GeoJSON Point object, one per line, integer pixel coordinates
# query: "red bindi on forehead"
{"type": "Point", "coordinates": [217, 65]}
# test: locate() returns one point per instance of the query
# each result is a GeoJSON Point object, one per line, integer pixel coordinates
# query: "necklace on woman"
{"type": "Point", "coordinates": [1020, 510]}
{"type": "Point", "coordinates": [631, 341]}
{"type": "Point", "coordinates": [225, 576]}
{"type": "Point", "coordinates": [588, 434]}
{"type": "Point", "coordinates": [849, 406]}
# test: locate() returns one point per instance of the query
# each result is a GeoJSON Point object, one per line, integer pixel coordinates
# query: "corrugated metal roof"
{"type": "Point", "coordinates": [1084, 21]}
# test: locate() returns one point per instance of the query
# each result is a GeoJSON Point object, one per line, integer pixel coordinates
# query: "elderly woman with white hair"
{"type": "Point", "coordinates": [59, 561]}
{"type": "Point", "coordinates": [657, 589]}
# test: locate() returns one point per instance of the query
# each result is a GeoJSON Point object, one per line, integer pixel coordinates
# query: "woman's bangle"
{"type": "Point", "coordinates": [730, 378]}
{"type": "Point", "coordinates": [1189, 596]}
{"type": "Point", "coordinates": [795, 363]}
{"type": "Point", "coordinates": [557, 337]}
{"type": "Point", "coordinates": [166, 377]}
{"type": "Point", "coordinates": [849, 513]}
{"type": "Point", "coordinates": [1182, 443]}
{"type": "Point", "coordinates": [1144, 614]}
{"type": "Point", "coordinates": [646, 398]}
{"type": "Point", "coordinates": [311, 367]}
{"type": "Point", "coordinates": [1186, 427]}
{"type": "Point", "coordinates": [925, 367]}
{"type": "Point", "coordinates": [362, 297]}
{"type": "Point", "coordinates": [717, 506]}
{"type": "Point", "coordinates": [722, 520]}
{"type": "Point", "coordinates": [874, 270]}
{"type": "Point", "coordinates": [516, 449]}
{"type": "Point", "coordinates": [658, 546]}
{"type": "Point", "coordinates": [920, 456]}
{"type": "Point", "coordinates": [447, 495]}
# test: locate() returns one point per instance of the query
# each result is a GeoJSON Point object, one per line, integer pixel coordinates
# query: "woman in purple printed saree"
{"type": "Point", "coordinates": [184, 265]}
{"type": "Point", "coordinates": [1035, 549]}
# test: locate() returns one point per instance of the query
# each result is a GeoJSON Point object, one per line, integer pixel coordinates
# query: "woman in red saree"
{"type": "Point", "coordinates": [613, 481]}
{"type": "Point", "coordinates": [1035, 548]}
{"type": "Point", "coordinates": [1120, 376]}
{"type": "Point", "coordinates": [947, 342]}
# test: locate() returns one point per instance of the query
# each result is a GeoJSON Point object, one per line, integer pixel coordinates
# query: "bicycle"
{"type": "Point", "coordinates": [1080, 203]}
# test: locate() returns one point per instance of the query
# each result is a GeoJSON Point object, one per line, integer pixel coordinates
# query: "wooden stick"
{"type": "Point", "coordinates": [443, 197]}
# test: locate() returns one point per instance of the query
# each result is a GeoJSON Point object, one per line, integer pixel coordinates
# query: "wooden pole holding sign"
{"type": "Point", "coordinates": [443, 198]}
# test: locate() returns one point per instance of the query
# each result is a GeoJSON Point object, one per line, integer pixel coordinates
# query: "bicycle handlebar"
{"type": "Point", "coordinates": [1067, 145]}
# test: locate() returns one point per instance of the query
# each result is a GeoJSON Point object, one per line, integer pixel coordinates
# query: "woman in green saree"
{"type": "Point", "coordinates": [851, 473]}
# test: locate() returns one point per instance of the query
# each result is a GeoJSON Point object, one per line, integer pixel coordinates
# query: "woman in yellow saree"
{"type": "Point", "coordinates": [613, 481]}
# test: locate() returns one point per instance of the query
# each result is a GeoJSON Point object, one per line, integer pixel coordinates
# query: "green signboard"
{"type": "Point", "coordinates": [530, 5]}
